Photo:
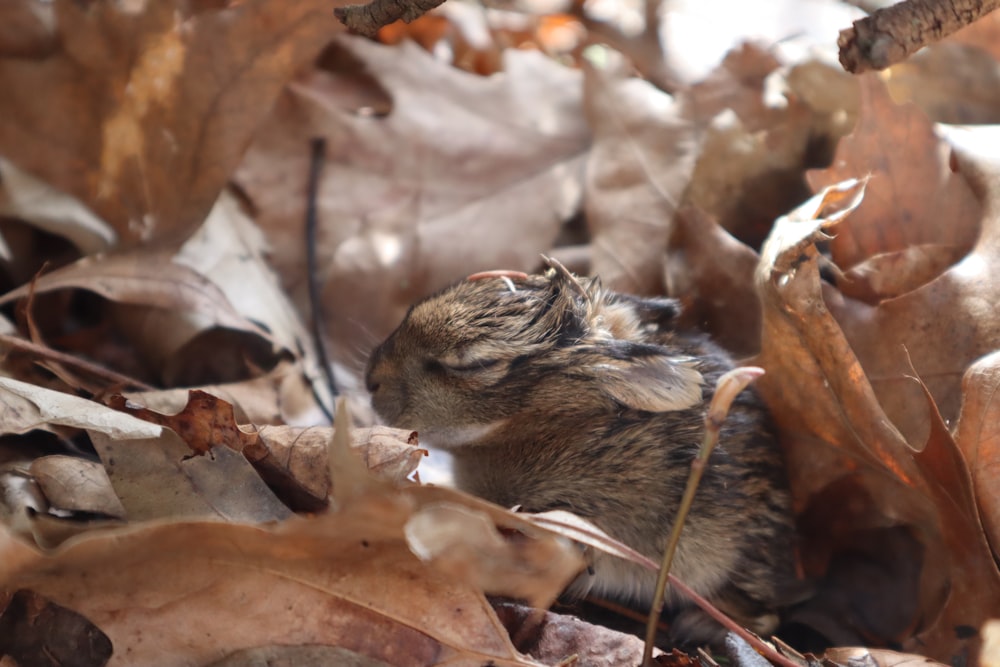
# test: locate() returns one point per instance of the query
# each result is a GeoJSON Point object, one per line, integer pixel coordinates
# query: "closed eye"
{"type": "Point", "coordinates": [471, 367]}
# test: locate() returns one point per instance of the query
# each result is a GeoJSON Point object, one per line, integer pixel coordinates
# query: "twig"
{"type": "Point", "coordinates": [588, 535]}
{"type": "Point", "coordinates": [367, 19]}
{"type": "Point", "coordinates": [727, 388]}
{"type": "Point", "coordinates": [69, 360]}
{"type": "Point", "coordinates": [892, 34]}
{"type": "Point", "coordinates": [317, 152]}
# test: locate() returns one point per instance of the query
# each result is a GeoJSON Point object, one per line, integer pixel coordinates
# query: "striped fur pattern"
{"type": "Point", "coordinates": [554, 393]}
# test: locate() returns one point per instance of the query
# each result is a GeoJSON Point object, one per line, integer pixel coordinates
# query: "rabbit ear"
{"type": "Point", "coordinates": [644, 377]}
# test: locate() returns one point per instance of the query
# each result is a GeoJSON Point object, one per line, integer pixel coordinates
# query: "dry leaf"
{"type": "Point", "coordinates": [25, 197]}
{"type": "Point", "coordinates": [76, 485]}
{"type": "Point", "coordinates": [712, 274]}
{"type": "Point", "coordinates": [752, 149]}
{"type": "Point", "coordinates": [282, 396]}
{"type": "Point", "coordinates": [229, 250]}
{"type": "Point", "coordinates": [292, 460]}
{"type": "Point", "coordinates": [887, 275]}
{"type": "Point", "coordinates": [292, 656]}
{"type": "Point", "coordinates": [939, 329]}
{"type": "Point", "coordinates": [24, 407]}
{"type": "Point", "coordinates": [34, 631]}
{"type": "Point", "coordinates": [978, 439]}
{"type": "Point", "coordinates": [641, 161]}
{"type": "Point", "coordinates": [557, 636]}
{"type": "Point", "coordinates": [835, 429]}
{"type": "Point", "coordinates": [911, 188]}
{"type": "Point", "coordinates": [466, 544]}
{"type": "Point", "coordinates": [863, 657]}
{"type": "Point", "coordinates": [951, 83]}
{"type": "Point", "coordinates": [147, 279]}
{"type": "Point", "coordinates": [27, 29]}
{"type": "Point", "coordinates": [161, 479]}
{"type": "Point", "coordinates": [198, 591]}
{"type": "Point", "coordinates": [163, 99]}
{"type": "Point", "coordinates": [491, 173]}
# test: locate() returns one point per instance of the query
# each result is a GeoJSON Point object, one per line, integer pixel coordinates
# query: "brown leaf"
{"type": "Point", "coordinates": [877, 658]}
{"type": "Point", "coordinates": [229, 250]}
{"type": "Point", "coordinates": [940, 328]}
{"type": "Point", "coordinates": [974, 595]}
{"type": "Point", "coordinates": [558, 636]}
{"type": "Point", "coordinates": [831, 425]}
{"type": "Point", "coordinates": [952, 83]}
{"type": "Point", "coordinates": [835, 429]}
{"type": "Point", "coordinates": [34, 631]}
{"type": "Point", "coordinates": [292, 460]}
{"type": "Point", "coordinates": [338, 579]}
{"type": "Point", "coordinates": [281, 396]}
{"type": "Point", "coordinates": [76, 485]}
{"type": "Point", "coordinates": [712, 274]}
{"type": "Point", "coordinates": [911, 188]}
{"type": "Point", "coordinates": [27, 29]}
{"type": "Point", "coordinates": [977, 437]}
{"type": "Point", "coordinates": [160, 478]}
{"type": "Point", "coordinates": [293, 656]}
{"type": "Point", "coordinates": [145, 279]}
{"type": "Point", "coordinates": [26, 407]}
{"type": "Point", "coordinates": [205, 422]}
{"type": "Point", "coordinates": [641, 161]}
{"type": "Point", "coordinates": [752, 148]}
{"type": "Point", "coordinates": [163, 100]}
{"type": "Point", "coordinates": [197, 591]}
{"type": "Point", "coordinates": [25, 197]}
{"type": "Point", "coordinates": [886, 275]}
{"type": "Point", "coordinates": [466, 544]}
{"type": "Point", "coordinates": [490, 174]}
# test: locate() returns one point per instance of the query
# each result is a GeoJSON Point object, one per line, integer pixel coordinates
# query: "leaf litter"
{"type": "Point", "coordinates": [160, 235]}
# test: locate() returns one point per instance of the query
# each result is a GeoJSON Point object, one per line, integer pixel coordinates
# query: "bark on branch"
{"type": "Point", "coordinates": [367, 19]}
{"type": "Point", "coordinates": [892, 34]}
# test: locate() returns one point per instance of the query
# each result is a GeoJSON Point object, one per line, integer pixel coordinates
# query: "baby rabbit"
{"type": "Point", "coordinates": [553, 393]}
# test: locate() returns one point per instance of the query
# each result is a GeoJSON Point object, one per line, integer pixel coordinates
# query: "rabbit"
{"type": "Point", "coordinates": [551, 392]}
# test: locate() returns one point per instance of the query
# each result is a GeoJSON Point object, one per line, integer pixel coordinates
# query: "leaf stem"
{"type": "Point", "coordinates": [727, 388]}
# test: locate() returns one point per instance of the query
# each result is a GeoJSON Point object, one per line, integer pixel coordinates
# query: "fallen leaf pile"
{"type": "Point", "coordinates": [172, 487]}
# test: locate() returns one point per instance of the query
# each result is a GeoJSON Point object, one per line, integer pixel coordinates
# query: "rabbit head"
{"type": "Point", "coordinates": [468, 358]}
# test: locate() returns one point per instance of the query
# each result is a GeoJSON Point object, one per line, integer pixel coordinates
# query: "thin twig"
{"type": "Point", "coordinates": [367, 19]}
{"type": "Point", "coordinates": [69, 360]}
{"type": "Point", "coordinates": [317, 152]}
{"type": "Point", "coordinates": [892, 34]}
{"type": "Point", "coordinates": [729, 385]}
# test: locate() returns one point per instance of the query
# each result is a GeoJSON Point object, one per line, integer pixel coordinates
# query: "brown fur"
{"type": "Point", "coordinates": [552, 393]}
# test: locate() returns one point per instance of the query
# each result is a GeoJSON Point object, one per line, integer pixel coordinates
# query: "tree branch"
{"type": "Point", "coordinates": [892, 34]}
{"type": "Point", "coordinates": [367, 19]}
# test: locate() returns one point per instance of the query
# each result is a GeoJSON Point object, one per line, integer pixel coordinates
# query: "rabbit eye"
{"type": "Point", "coordinates": [471, 366]}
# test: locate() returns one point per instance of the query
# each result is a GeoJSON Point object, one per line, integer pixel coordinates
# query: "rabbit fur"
{"type": "Point", "coordinates": [553, 393]}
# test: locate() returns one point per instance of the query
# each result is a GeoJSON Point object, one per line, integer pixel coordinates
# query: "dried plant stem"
{"type": "Point", "coordinates": [729, 385]}
{"type": "Point", "coordinates": [69, 360]}
{"type": "Point", "coordinates": [892, 34]}
{"type": "Point", "coordinates": [317, 153]}
{"type": "Point", "coordinates": [367, 19]}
